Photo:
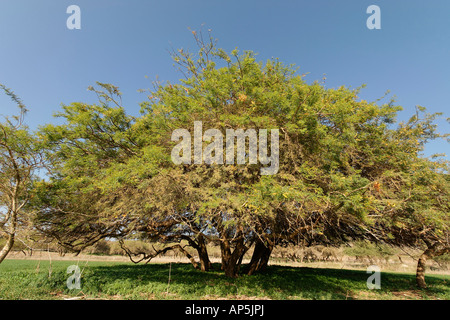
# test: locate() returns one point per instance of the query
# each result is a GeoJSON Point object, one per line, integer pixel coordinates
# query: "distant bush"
{"type": "Point", "coordinates": [371, 251]}
{"type": "Point", "coordinates": [102, 247]}
{"type": "Point", "coordinates": [445, 258]}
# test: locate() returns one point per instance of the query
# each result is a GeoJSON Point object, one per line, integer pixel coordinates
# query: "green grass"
{"type": "Point", "coordinates": [20, 279]}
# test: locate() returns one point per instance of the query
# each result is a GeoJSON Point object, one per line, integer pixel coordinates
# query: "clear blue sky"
{"type": "Point", "coordinates": [122, 41]}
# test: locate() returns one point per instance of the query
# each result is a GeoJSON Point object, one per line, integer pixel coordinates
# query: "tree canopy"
{"type": "Point", "coordinates": [347, 169]}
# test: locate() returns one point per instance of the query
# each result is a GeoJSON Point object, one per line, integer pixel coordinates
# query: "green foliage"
{"type": "Point", "coordinates": [347, 171]}
{"type": "Point", "coordinates": [20, 159]}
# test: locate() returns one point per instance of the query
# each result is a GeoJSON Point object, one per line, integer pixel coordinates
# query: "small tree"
{"type": "Point", "coordinates": [19, 160]}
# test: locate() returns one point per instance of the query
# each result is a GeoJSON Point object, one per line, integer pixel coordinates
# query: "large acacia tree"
{"type": "Point", "coordinates": [347, 169]}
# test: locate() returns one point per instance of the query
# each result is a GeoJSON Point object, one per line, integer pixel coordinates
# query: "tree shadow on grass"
{"type": "Point", "coordinates": [277, 282]}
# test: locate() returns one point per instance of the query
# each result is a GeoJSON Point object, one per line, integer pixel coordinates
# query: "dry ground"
{"type": "Point", "coordinates": [408, 265]}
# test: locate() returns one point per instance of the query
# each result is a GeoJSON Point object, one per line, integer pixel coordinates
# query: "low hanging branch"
{"type": "Point", "coordinates": [149, 256]}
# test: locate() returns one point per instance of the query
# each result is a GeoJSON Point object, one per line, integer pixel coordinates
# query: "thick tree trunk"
{"type": "Point", "coordinates": [199, 244]}
{"type": "Point", "coordinates": [11, 232]}
{"type": "Point", "coordinates": [256, 257]}
{"type": "Point", "coordinates": [231, 269]}
{"type": "Point", "coordinates": [265, 258]}
{"type": "Point", "coordinates": [231, 261]}
{"type": "Point", "coordinates": [227, 265]}
{"type": "Point", "coordinates": [7, 247]}
{"type": "Point", "coordinates": [260, 257]}
{"type": "Point", "coordinates": [420, 272]}
{"type": "Point", "coordinates": [435, 250]}
{"type": "Point", "coordinates": [205, 263]}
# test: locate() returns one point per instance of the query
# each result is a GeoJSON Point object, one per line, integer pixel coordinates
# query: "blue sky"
{"type": "Point", "coordinates": [123, 41]}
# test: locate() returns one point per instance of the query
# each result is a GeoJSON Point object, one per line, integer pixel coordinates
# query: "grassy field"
{"type": "Point", "coordinates": [32, 279]}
